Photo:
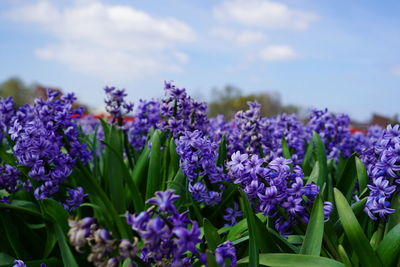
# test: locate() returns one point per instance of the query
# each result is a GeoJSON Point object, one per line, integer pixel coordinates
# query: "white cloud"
{"type": "Point", "coordinates": [110, 41]}
{"type": "Point", "coordinates": [395, 70]}
{"type": "Point", "coordinates": [239, 37]}
{"type": "Point", "coordinates": [263, 14]}
{"type": "Point", "coordinates": [278, 53]}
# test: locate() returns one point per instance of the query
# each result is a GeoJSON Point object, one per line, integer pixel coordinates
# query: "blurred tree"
{"type": "Point", "coordinates": [229, 100]}
{"type": "Point", "coordinates": [24, 94]}
{"type": "Point", "coordinates": [16, 88]}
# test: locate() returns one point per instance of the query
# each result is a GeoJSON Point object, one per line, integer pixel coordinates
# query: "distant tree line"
{"type": "Point", "coordinates": [25, 94]}
{"type": "Point", "coordinates": [229, 100]}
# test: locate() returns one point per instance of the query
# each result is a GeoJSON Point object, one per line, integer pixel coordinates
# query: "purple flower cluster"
{"type": "Point", "coordinates": [198, 156]}
{"type": "Point", "coordinates": [245, 134]}
{"type": "Point", "coordinates": [334, 132]}
{"type": "Point", "coordinates": [217, 128]}
{"type": "Point", "coordinates": [116, 104]}
{"type": "Point", "coordinates": [169, 237]}
{"type": "Point", "coordinates": [180, 112]}
{"type": "Point", "coordinates": [6, 113]}
{"type": "Point", "coordinates": [47, 141]}
{"type": "Point", "coordinates": [9, 178]}
{"type": "Point", "coordinates": [104, 250]}
{"type": "Point", "coordinates": [251, 133]}
{"type": "Point", "coordinates": [91, 125]}
{"type": "Point", "coordinates": [381, 155]}
{"type": "Point", "coordinates": [289, 127]}
{"type": "Point", "coordinates": [147, 116]}
{"type": "Point", "coordinates": [274, 189]}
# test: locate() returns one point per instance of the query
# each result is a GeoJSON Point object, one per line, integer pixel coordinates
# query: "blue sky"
{"type": "Point", "coordinates": [343, 55]}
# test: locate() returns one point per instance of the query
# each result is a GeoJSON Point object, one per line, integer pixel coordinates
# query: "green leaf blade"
{"type": "Point", "coordinates": [354, 232]}
{"type": "Point", "coordinates": [315, 230]}
{"type": "Point", "coordinates": [293, 260]}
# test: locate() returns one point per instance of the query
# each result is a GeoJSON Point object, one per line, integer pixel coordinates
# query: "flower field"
{"type": "Point", "coordinates": [173, 187]}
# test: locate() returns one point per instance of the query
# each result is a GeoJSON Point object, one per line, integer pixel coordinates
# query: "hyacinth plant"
{"type": "Point", "coordinates": [173, 187]}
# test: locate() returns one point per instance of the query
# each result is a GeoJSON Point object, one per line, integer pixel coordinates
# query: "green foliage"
{"type": "Point", "coordinates": [229, 100]}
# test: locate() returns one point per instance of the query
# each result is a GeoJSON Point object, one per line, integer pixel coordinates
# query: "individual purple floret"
{"type": "Point", "coordinates": [76, 197]}
{"type": "Point", "coordinates": [167, 235]}
{"type": "Point", "coordinates": [226, 252]}
{"type": "Point", "coordinates": [164, 200]}
{"type": "Point", "coordinates": [231, 214]}
{"type": "Point", "coordinates": [47, 141]}
{"type": "Point", "coordinates": [328, 207]}
{"type": "Point", "coordinates": [198, 157]}
{"type": "Point", "coordinates": [147, 116]}
{"type": "Point", "coordinates": [19, 263]}
{"type": "Point", "coordinates": [181, 113]}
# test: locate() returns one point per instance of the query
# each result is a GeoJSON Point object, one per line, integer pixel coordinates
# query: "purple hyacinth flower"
{"type": "Point", "coordinates": [237, 162]}
{"type": "Point", "coordinates": [19, 263]}
{"type": "Point", "coordinates": [226, 251]}
{"type": "Point", "coordinates": [164, 200]}
{"type": "Point", "coordinates": [232, 213]}
{"type": "Point", "coordinates": [76, 198]}
{"type": "Point", "coordinates": [187, 239]}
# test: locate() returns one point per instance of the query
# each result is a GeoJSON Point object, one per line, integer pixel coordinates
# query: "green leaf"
{"type": "Point", "coordinates": [22, 206]}
{"type": "Point", "coordinates": [306, 166]}
{"type": "Point", "coordinates": [5, 259]}
{"type": "Point", "coordinates": [394, 218]}
{"type": "Point", "coordinates": [315, 230]}
{"type": "Point", "coordinates": [179, 184]}
{"type": "Point", "coordinates": [227, 194]}
{"type": "Point", "coordinates": [236, 230]}
{"type": "Point", "coordinates": [285, 149]}
{"type": "Point", "coordinates": [344, 257]}
{"type": "Point", "coordinates": [66, 254]}
{"type": "Point", "coordinates": [51, 240]}
{"type": "Point", "coordinates": [362, 175]}
{"type": "Point", "coordinates": [357, 209]}
{"type": "Point", "coordinates": [347, 180]}
{"type": "Point", "coordinates": [56, 213]}
{"type": "Point", "coordinates": [321, 158]}
{"type": "Point", "coordinates": [174, 161]}
{"type": "Point", "coordinates": [139, 173]}
{"type": "Point", "coordinates": [122, 171]}
{"type": "Point", "coordinates": [59, 217]}
{"type": "Point", "coordinates": [113, 172]}
{"type": "Point", "coordinates": [358, 240]}
{"type": "Point", "coordinates": [389, 248]}
{"type": "Point", "coordinates": [13, 236]}
{"type": "Point", "coordinates": [100, 198]}
{"type": "Point", "coordinates": [211, 234]}
{"type": "Point", "coordinates": [253, 246]}
{"type": "Point", "coordinates": [313, 178]}
{"type": "Point", "coordinates": [211, 259]}
{"type": "Point", "coordinates": [293, 260]}
{"type": "Point", "coordinates": [154, 173]}
{"type": "Point", "coordinates": [222, 151]}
